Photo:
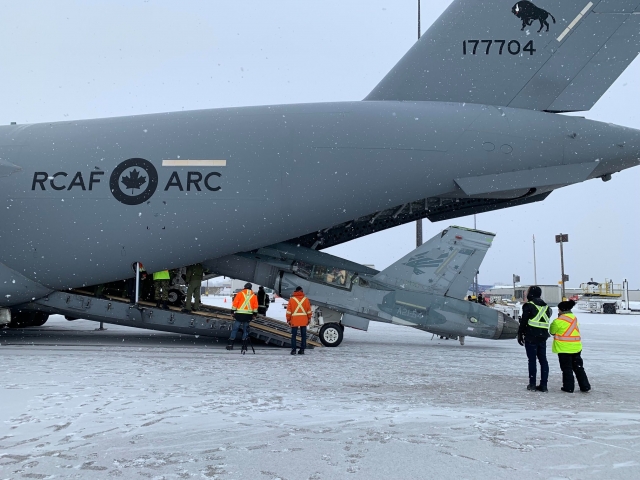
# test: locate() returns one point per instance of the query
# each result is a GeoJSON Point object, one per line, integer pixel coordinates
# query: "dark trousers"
{"type": "Point", "coordinates": [537, 350]}
{"type": "Point", "coordinates": [241, 322]}
{"type": "Point", "coordinates": [303, 337]}
{"type": "Point", "coordinates": [571, 363]}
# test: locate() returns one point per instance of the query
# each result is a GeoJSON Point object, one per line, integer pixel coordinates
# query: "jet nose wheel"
{"type": "Point", "coordinates": [331, 334]}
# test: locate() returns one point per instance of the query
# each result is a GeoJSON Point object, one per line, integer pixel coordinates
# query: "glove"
{"type": "Point", "coordinates": [521, 339]}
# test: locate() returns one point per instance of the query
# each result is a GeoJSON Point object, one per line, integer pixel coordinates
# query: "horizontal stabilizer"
{"type": "Point", "coordinates": [551, 55]}
{"type": "Point", "coordinates": [445, 265]}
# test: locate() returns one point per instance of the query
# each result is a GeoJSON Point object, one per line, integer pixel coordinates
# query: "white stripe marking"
{"type": "Point", "coordinates": [194, 163]}
{"type": "Point", "coordinates": [575, 20]}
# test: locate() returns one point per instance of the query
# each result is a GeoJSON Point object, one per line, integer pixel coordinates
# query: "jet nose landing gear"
{"type": "Point", "coordinates": [331, 334]}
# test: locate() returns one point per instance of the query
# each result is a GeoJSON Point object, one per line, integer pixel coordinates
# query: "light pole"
{"type": "Point", "coordinates": [419, 221]}
{"type": "Point", "coordinates": [535, 272]}
{"type": "Point", "coordinates": [561, 239]}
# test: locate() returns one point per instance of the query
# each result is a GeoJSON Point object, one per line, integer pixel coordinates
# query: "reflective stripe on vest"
{"type": "Point", "coordinates": [573, 327]}
{"type": "Point", "coordinates": [246, 304]}
{"type": "Point", "coordinates": [299, 308]}
{"type": "Point", "coordinates": [541, 320]}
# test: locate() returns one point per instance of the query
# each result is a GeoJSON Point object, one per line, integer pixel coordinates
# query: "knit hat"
{"type": "Point", "coordinates": [248, 286]}
{"type": "Point", "coordinates": [534, 292]}
{"type": "Point", "coordinates": [298, 289]}
{"type": "Point", "coordinates": [566, 306]}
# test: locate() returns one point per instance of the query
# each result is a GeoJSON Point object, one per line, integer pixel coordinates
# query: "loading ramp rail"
{"type": "Point", "coordinates": [210, 321]}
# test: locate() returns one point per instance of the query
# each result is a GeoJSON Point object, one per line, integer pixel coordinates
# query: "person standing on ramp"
{"type": "Point", "coordinates": [567, 343]}
{"type": "Point", "coordinates": [245, 308]}
{"type": "Point", "coordinates": [193, 278]}
{"type": "Point", "coordinates": [263, 301]}
{"type": "Point", "coordinates": [533, 334]}
{"type": "Point", "coordinates": [161, 282]}
{"type": "Point", "coordinates": [298, 315]}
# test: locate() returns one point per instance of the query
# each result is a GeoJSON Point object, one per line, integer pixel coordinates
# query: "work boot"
{"type": "Point", "coordinates": [585, 390]}
{"type": "Point", "coordinates": [230, 346]}
{"type": "Point", "coordinates": [531, 388]}
{"type": "Point", "coordinates": [293, 351]}
{"type": "Point", "coordinates": [542, 388]}
{"type": "Point", "coordinates": [184, 310]}
{"type": "Point", "coordinates": [301, 351]}
{"type": "Point", "coordinates": [158, 304]}
{"type": "Point", "coordinates": [566, 390]}
{"type": "Point", "coordinates": [165, 306]}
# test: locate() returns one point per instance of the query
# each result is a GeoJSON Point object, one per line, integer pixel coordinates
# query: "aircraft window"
{"type": "Point", "coordinates": [332, 276]}
{"type": "Point", "coordinates": [302, 269]}
{"type": "Point", "coordinates": [360, 281]}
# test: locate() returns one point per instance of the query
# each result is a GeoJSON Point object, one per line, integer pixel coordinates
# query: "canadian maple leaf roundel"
{"type": "Point", "coordinates": [133, 181]}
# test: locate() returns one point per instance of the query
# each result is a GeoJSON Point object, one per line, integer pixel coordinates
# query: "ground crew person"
{"type": "Point", "coordinates": [298, 315]}
{"type": "Point", "coordinates": [567, 343]}
{"type": "Point", "coordinates": [245, 308]}
{"type": "Point", "coordinates": [161, 288]}
{"type": "Point", "coordinates": [193, 278]}
{"type": "Point", "coordinates": [533, 334]}
{"type": "Point", "coordinates": [263, 301]}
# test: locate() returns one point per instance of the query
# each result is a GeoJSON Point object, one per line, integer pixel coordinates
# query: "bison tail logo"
{"type": "Point", "coordinates": [527, 12]}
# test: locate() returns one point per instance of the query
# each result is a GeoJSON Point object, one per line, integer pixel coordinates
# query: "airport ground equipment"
{"type": "Point", "coordinates": [425, 289]}
{"type": "Point", "coordinates": [605, 297]}
{"type": "Point", "coordinates": [210, 321]}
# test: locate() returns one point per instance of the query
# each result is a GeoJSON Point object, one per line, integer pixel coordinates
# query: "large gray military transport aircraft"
{"type": "Point", "coordinates": [466, 122]}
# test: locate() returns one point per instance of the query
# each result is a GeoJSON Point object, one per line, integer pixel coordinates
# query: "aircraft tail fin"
{"type": "Point", "coordinates": [551, 55]}
{"type": "Point", "coordinates": [444, 265]}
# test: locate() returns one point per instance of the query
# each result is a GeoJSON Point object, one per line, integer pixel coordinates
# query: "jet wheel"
{"type": "Point", "coordinates": [331, 334]}
{"type": "Point", "coordinates": [609, 308]}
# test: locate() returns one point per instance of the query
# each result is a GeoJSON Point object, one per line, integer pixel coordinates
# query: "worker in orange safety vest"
{"type": "Point", "coordinates": [567, 343]}
{"type": "Point", "coordinates": [298, 316]}
{"type": "Point", "coordinates": [245, 308]}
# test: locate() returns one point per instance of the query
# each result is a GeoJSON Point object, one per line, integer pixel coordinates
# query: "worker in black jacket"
{"type": "Point", "coordinates": [533, 334]}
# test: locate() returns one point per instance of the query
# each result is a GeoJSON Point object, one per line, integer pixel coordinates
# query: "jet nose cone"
{"type": "Point", "coordinates": [507, 327]}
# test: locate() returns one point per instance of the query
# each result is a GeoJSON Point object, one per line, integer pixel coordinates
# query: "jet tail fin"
{"type": "Point", "coordinates": [445, 265]}
{"type": "Point", "coordinates": [551, 55]}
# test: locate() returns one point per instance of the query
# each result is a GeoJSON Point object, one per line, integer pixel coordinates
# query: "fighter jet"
{"type": "Point", "coordinates": [466, 122]}
{"type": "Point", "coordinates": [423, 290]}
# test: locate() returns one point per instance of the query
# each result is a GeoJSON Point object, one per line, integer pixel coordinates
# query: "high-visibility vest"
{"type": "Point", "coordinates": [541, 320]}
{"type": "Point", "coordinates": [162, 275]}
{"type": "Point", "coordinates": [299, 310]}
{"type": "Point", "coordinates": [245, 307]}
{"type": "Point", "coordinates": [566, 340]}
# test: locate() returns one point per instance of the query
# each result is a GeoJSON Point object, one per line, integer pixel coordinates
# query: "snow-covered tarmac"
{"type": "Point", "coordinates": [388, 403]}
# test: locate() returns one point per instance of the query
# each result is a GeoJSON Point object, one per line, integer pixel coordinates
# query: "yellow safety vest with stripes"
{"type": "Point", "coordinates": [566, 334]}
{"type": "Point", "coordinates": [245, 307]}
{"type": "Point", "coordinates": [541, 320]}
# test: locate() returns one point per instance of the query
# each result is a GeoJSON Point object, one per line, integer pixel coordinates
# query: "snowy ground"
{"type": "Point", "coordinates": [389, 403]}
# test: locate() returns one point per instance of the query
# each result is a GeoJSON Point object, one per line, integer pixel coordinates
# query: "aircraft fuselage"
{"type": "Point", "coordinates": [82, 200]}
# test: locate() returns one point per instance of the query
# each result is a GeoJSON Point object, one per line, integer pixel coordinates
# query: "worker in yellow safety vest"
{"type": "Point", "coordinates": [533, 334]}
{"type": "Point", "coordinates": [298, 316]}
{"type": "Point", "coordinates": [161, 282]}
{"type": "Point", "coordinates": [567, 343]}
{"type": "Point", "coordinates": [245, 308]}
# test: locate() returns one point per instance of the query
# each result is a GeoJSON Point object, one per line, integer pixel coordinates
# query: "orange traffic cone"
{"type": "Point", "coordinates": [225, 299]}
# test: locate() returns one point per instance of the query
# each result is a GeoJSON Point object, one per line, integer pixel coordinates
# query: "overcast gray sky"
{"type": "Point", "coordinates": [68, 60]}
